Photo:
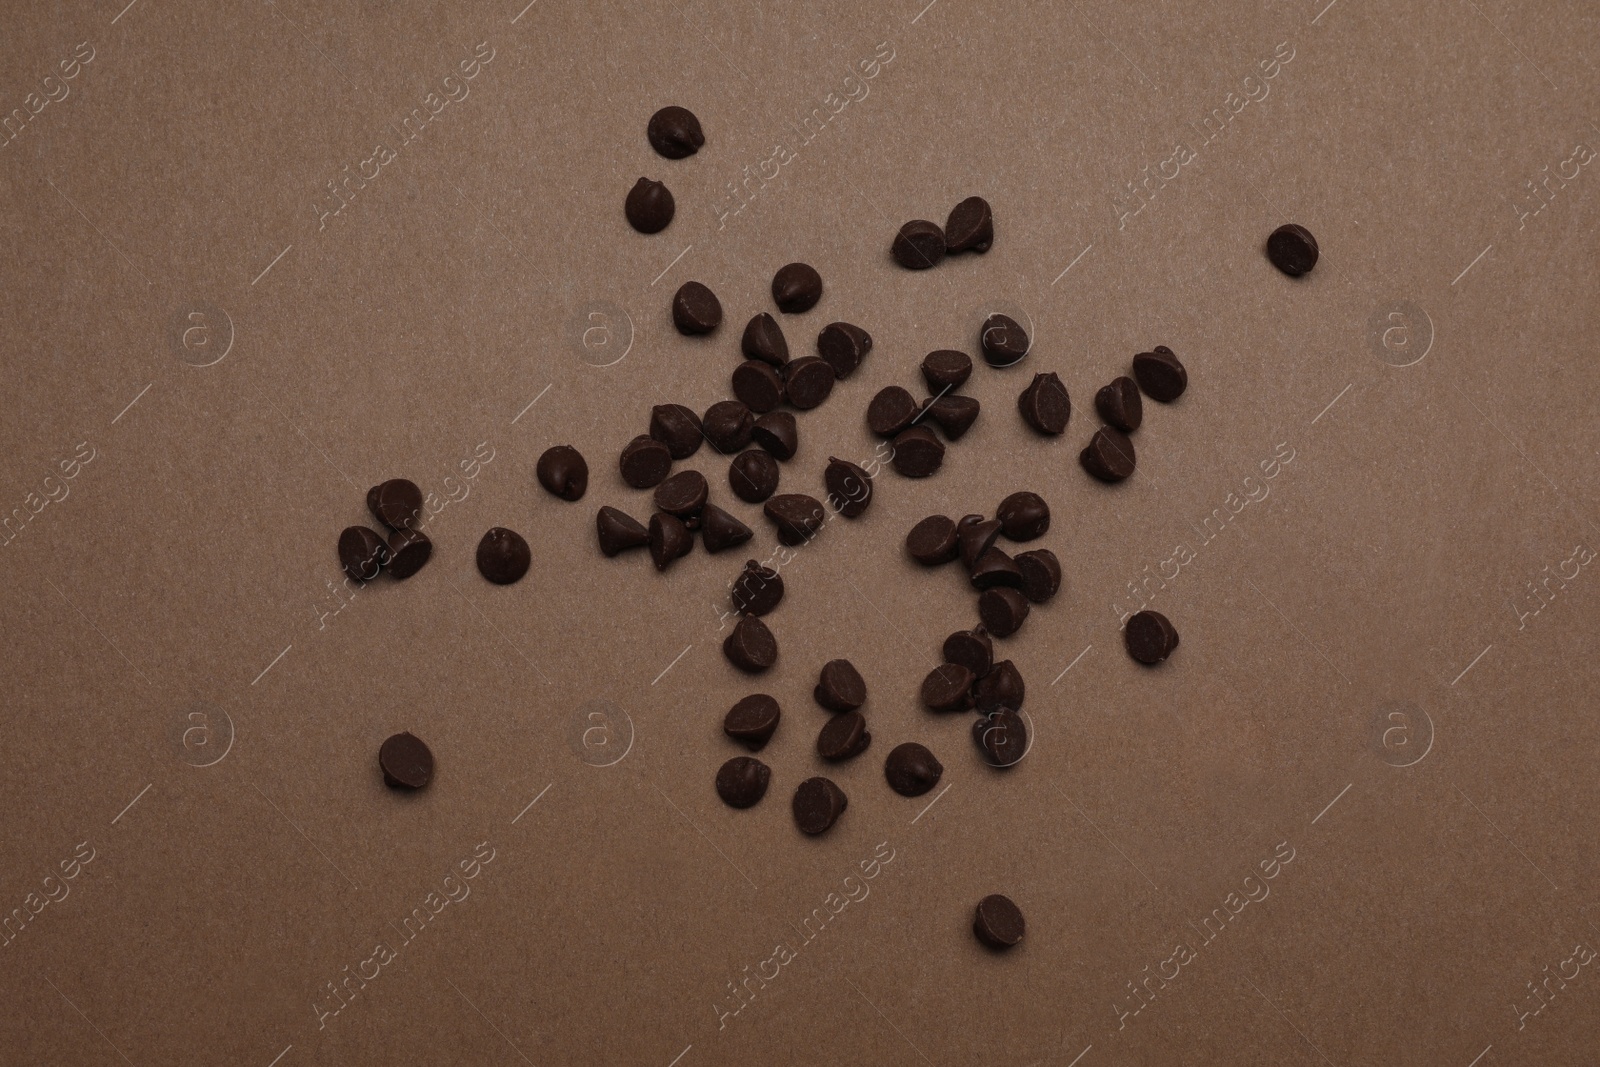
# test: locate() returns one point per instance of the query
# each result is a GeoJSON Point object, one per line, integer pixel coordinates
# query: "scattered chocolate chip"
{"type": "Point", "coordinates": [719, 530]}
{"type": "Point", "coordinates": [758, 386]}
{"type": "Point", "coordinates": [976, 538]}
{"type": "Point", "coordinates": [843, 346]}
{"type": "Point", "coordinates": [1292, 249]}
{"type": "Point", "coordinates": [971, 649]}
{"type": "Point", "coordinates": [1003, 340]}
{"type": "Point", "coordinates": [1161, 375]}
{"type": "Point", "coordinates": [932, 541]}
{"type": "Point", "coordinates": [503, 556]}
{"type": "Point", "coordinates": [1119, 405]}
{"type": "Point", "coordinates": [994, 568]}
{"type": "Point", "coordinates": [1109, 455]}
{"type": "Point", "coordinates": [676, 427]}
{"type": "Point", "coordinates": [891, 411]}
{"type": "Point", "coordinates": [952, 414]}
{"type": "Point", "coordinates": [670, 539]}
{"type": "Point", "coordinates": [818, 803]}
{"type": "Point", "coordinates": [1002, 687]}
{"type": "Point", "coordinates": [753, 475]}
{"type": "Point", "coordinates": [757, 590]}
{"type": "Point", "coordinates": [808, 381]}
{"type": "Point", "coordinates": [683, 494]}
{"type": "Point", "coordinates": [751, 646]}
{"type": "Point", "coordinates": [919, 245]}
{"type": "Point", "coordinates": [1023, 516]}
{"type": "Point", "coordinates": [696, 309]}
{"type": "Point", "coordinates": [674, 132]}
{"type": "Point", "coordinates": [362, 553]}
{"type": "Point", "coordinates": [843, 737]}
{"type": "Point", "coordinates": [1041, 574]}
{"type": "Point", "coordinates": [840, 686]}
{"type": "Point", "coordinates": [1003, 610]}
{"type": "Point", "coordinates": [752, 721]}
{"type": "Point", "coordinates": [849, 487]}
{"type": "Point", "coordinates": [406, 761]}
{"type": "Point", "coordinates": [1045, 405]}
{"type": "Point", "coordinates": [1002, 737]}
{"type": "Point", "coordinates": [946, 369]}
{"type": "Point", "coordinates": [912, 770]}
{"type": "Point", "coordinates": [563, 472]}
{"type": "Point", "coordinates": [796, 288]}
{"type": "Point", "coordinates": [727, 425]}
{"type": "Point", "coordinates": [948, 687]}
{"type": "Point", "coordinates": [797, 516]}
{"type": "Point", "coordinates": [408, 551]}
{"type": "Point", "coordinates": [618, 531]}
{"type": "Point", "coordinates": [763, 339]}
{"type": "Point", "coordinates": [970, 226]}
{"type": "Point", "coordinates": [775, 432]}
{"type": "Point", "coordinates": [742, 781]}
{"type": "Point", "coordinates": [998, 922]}
{"type": "Point", "coordinates": [645, 462]}
{"type": "Point", "coordinates": [917, 453]}
{"type": "Point", "coordinates": [1150, 637]}
{"type": "Point", "coordinates": [649, 206]}
{"type": "Point", "coordinates": [397, 503]}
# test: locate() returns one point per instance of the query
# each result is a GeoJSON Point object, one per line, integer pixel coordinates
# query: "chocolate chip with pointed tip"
{"type": "Point", "coordinates": [970, 226]}
{"type": "Point", "coordinates": [752, 721]}
{"type": "Point", "coordinates": [912, 770]}
{"type": "Point", "coordinates": [1109, 455]}
{"type": "Point", "coordinates": [1002, 736]}
{"type": "Point", "coordinates": [1001, 687]}
{"type": "Point", "coordinates": [362, 553]}
{"type": "Point", "coordinates": [1150, 637]}
{"type": "Point", "coordinates": [918, 245]}
{"type": "Point", "coordinates": [683, 494]}
{"type": "Point", "coordinates": [742, 781]}
{"type": "Point", "coordinates": [751, 646]}
{"type": "Point", "coordinates": [1003, 610]}
{"type": "Point", "coordinates": [891, 411]}
{"type": "Point", "coordinates": [948, 687]}
{"type": "Point", "coordinates": [946, 369]}
{"type": "Point", "coordinates": [409, 550]}
{"type": "Point", "coordinates": [954, 415]}
{"type": "Point", "coordinates": [645, 463]}
{"type": "Point", "coordinates": [998, 922]}
{"type": "Point", "coordinates": [995, 568]}
{"type": "Point", "coordinates": [675, 132]}
{"type": "Point", "coordinates": [776, 433]}
{"type": "Point", "coordinates": [843, 737]}
{"type": "Point", "coordinates": [817, 805]}
{"type": "Point", "coordinates": [917, 452]}
{"type": "Point", "coordinates": [1161, 374]}
{"type": "Point", "coordinates": [1003, 340]}
{"type": "Point", "coordinates": [406, 761]}
{"type": "Point", "coordinates": [849, 487]}
{"type": "Point", "coordinates": [753, 475]}
{"type": "Point", "coordinates": [503, 556]}
{"type": "Point", "coordinates": [971, 649]}
{"type": "Point", "coordinates": [678, 428]}
{"type": "Point", "coordinates": [670, 539]}
{"type": "Point", "coordinates": [757, 590]}
{"type": "Point", "coordinates": [843, 346]}
{"type": "Point", "coordinates": [840, 686]}
{"type": "Point", "coordinates": [719, 530]}
{"type": "Point", "coordinates": [649, 206]}
{"type": "Point", "coordinates": [797, 516]}
{"type": "Point", "coordinates": [1119, 405]}
{"type": "Point", "coordinates": [1023, 516]}
{"type": "Point", "coordinates": [1292, 249]}
{"type": "Point", "coordinates": [975, 539]}
{"type": "Point", "coordinates": [763, 339]}
{"type": "Point", "coordinates": [397, 503]}
{"type": "Point", "coordinates": [1041, 574]}
{"type": "Point", "coordinates": [727, 425]}
{"type": "Point", "coordinates": [808, 381]}
{"type": "Point", "coordinates": [618, 531]}
{"type": "Point", "coordinates": [695, 309]}
{"type": "Point", "coordinates": [933, 541]}
{"type": "Point", "coordinates": [1045, 405]}
{"type": "Point", "coordinates": [796, 288]}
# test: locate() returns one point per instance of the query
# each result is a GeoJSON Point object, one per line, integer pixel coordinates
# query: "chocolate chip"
{"type": "Point", "coordinates": [751, 646]}
{"type": "Point", "coordinates": [397, 503]}
{"type": "Point", "coordinates": [840, 686]}
{"type": "Point", "coordinates": [948, 687]}
{"type": "Point", "coordinates": [408, 551]}
{"type": "Point", "coordinates": [808, 381]}
{"type": "Point", "coordinates": [998, 922]}
{"type": "Point", "coordinates": [843, 346]}
{"type": "Point", "coordinates": [696, 309]}
{"type": "Point", "coordinates": [757, 590]}
{"type": "Point", "coordinates": [670, 539]}
{"type": "Point", "coordinates": [362, 553]}
{"type": "Point", "coordinates": [727, 426]}
{"type": "Point", "coordinates": [406, 762]}
{"type": "Point", "coordinates": [1119, 404]}
{"type": "Point", "coordinates": [1045, 405]}
{"type": "Point", "coordinates": [891, 411]}
{"type": "Point", "coordinates": [994, 568]}
{"type": "Point", "coordinates": [503, 556]}
{"type": "Point", "coordinates": [843, 737]}
{"type": "Point", "coordinates": [796, 288]}
{"type": "Point", "coordinates": [1002, 737]}
{"type": "Point", "coordinates": [1160, 374]}
{"type": "Point", "coordinates": [1041, 574]}
{"type": "Point", "coordinates": [1003, 610]}
{"type": "Point", "coordinates": [742, 781]}
{"type": "Point", "coordinates": [932, 541]}
{"type": "Point", "coordinates": [763, 339]}
{"type": "Point", "coordinates": [753, 475]}
{"type": "Point", "coordinates": [1109, 455]}
{"type": "Point", "coordinates": [775, 432]}
{"type": "Point", "coordinates": [1023, 516]}
{"type": "Point", "coordinates": [1002, 687]}
{"type": "Point", "coordinates": [1150, 637]}
{"type": "Point", "coordinates": [970, 226]}
{"type": "Point", "coordinates": [971, 649]}
{"type": "Point", "coordinates": [919, 245]}
{"type": "Point", "coordinates": [645, 462]}
{"type": "Point", "coordinates": [818, 803]}
{"type": "Point", "coordinates": [917, 453]}
{"type": "Point", "coordinates": [619, 531]}
{"type": "Point", "coordinates": [676, 427]}
{"type": "Point", "coordinates": [912, 770]}
{"type": "Point", "coordinates": [1292, 249]}
{"type": "Point", "coordinates": [752, 721]}
{"type": "Point", "coordinates": [757, 385]}
{"type": "Point", "coordinates": [683, 494]}
{"type": "Point", "coordinates": [952, 414]}
{"type": "Point", "coordinates": [719, 530]}
{"type": "Point", "coordinates": [674, 132]}
{"type": "Point", "coordinates": [946, 369]}
{"type": "Point", "coordinates": [797, 516]}
{"type": "Point", "coordinates": [649, 206]}
{"type": "Point", "coordinates": [1003, 340]}
{"type": "Point", "coordinates": [976, 538]}
{"type": "Point", "coordinates": [849, 487]}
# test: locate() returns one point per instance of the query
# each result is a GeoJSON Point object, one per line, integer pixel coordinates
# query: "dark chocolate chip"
{"type": "Point", "coordinates": [971, 649]}
{"type": "Point", "coordinates": [917, 452]}
{"type": "Point", "coordinates": [1109, 455]}
{"type": "Point", "coordinates": [683, 494]}
{"type": "Point", "coordinates": [976, 538]}
{"type": "Point", "coordinates": [676, 427]}
{"type": "Point", "coordinates": [797, 516]}
{"type": "Point", "coordinates": [1041, 574]}
{"type": "Point", "coordinates": [1002, 687]}
{"type": "Point", "coordinates": [946, 369]}
{"type": "Point", "coordinates": [818, 803]}
{"type": "Point", "coordinates": [645, 462]}
{"type": "Point", "coordinates": [912, 770]}
{"type": "Point", "coordinates": [563, 472]}
{"type": "Point", "coordinates": [970, 226]}
{"type": "Point", "coordinates": [932, 541]}
{"type": "Point", "coordinates": [1292, 249]}
{"type": "Point", "coordinates": [843, 346]}
{"type": "Point", "coordinates": [1023, 516]}
{"type": "Point", "coordinates": [998, 922]}
{"type": "Point", "coordinates": [649, 206]}
{"type": "Point", "coordinates": [753, 475]}
{"type": "Point", "coordinates": [757, 590]}
{"type": "Point", "coordinates": [891, 411]}
{"type": "Point", "coordinates": [751, 646]}
{"type": "Point", "coordinates": [948, 687]}
{"type": "Point", "coordinates": [1003, 610]}
{"type": "Point", "coordinates": [727, 425]}
{"type": "Point", "coordinates": [1003, 340]}
{"type": "Point", "coordinates": [406, 762]}
{"type": "Point", "coordinates": [1045, 405]}
{"type": "Point", "coordinates": [408, 551]}
{"type": "Point", "coordinates": [719, 530]}
{"type": "Point", "coordinates": [763, 339]}
{"type": "Point", "coordinates": [752, 721]}
{"type": "Point", "coordinates": [796, 288]}
{"type": "Point", "coordinates": [503, 556]}
{"type": "Point", "coordinates": [1150, 637]}
{"type": "Point", "coordinates": [840, 686]}
{"type": "Point", "coordinates": [952, 414]}
{"type": "Point", "coordinates": [994, 568]}
{"type": "Point", "coordinates": [696, 309]}
{"type": "Point", "coordinates": [775, 432]}
{"type": "Point", "coordinates": [849, 487]}
{"type": "Point", "coordinates": [808, 381]}
{"type": "Point", "coordinates": [618, 531]}
{"type": "Point", "coordinates": [397, 503]}
{"type": "Point", "coordinates": [1002, 737]}
{"type": "Point", "coordinates": [675, 132]}
{"type": "Point", "coordinates": [758, 386]}
{"type": "Point", "coordinates": [843, 737]}
{"type": "Point", "coordinates": [362, 553]}
{"type": "Point", "coordinates": [670, 539]}
{"type": "Point", "coordinates": [742, 781]}
{"type": "Point", "coordinates": [1161, 375]}
{"type": "Point", "coordinates": [918, 245]}
{"type": "Point", "coordinates": [1119, 404]}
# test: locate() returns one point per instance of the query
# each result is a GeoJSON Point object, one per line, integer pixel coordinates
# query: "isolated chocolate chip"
{"type": "Point", "coordinates": [758, 386]}
{"type": "Point", "coordinates": [683, 494]}
{"type": "Point", "coordinates": [849, 487]}
{"type": "Point", "coordinates": [1150, 637]}
{"type": "Point", "coordinates": [645, 462]}
{"type": "Point", "coordinates": [397, 503]}
{"type": "Point", "coordinates": [753, 475]}
{"type": "Point", "coordinates": [797, 516]}
{"type": "Point", "coordinates": [818, 803]}
{"type": "Point", "coordinates": [891, 411]}
{"type": "Point", "coordinates": [696, 309]}
{"type": "Point", "coordinates": [619, 531]}
{"type": "Point", "coordinates": [503, 556]}
{"type": "Point", "coordinates": [948, 687]}
{"type": "Point", "coordinates": [1023, 516]}
{"type": "Point", "coordinates": [742, 781]}
{"type": "Point", "coordinates": [1045, 405]}
{"type": "Point", "coordinates": [649, 206]}
{"type": "Point", "coordinates": [1119, 405]}
{"type": "Point", "coordinates": [362, 553]}
{"type": "Point", "coordinates": [1002, 687]}
{"type": "Point", "coordinates": [406, 762]}
{"type": "Point", "coordinates": [976, 538]}
{"type": "Point", "coordinates": [670, 539]}
{"type": "Point", "coordinates": [843, 737]}
{"type": "Point", "coordinates": [998, 922]}
{"type": "Point", "coordinates": [408, 551]}
{"type": "Point", "coordinates": [727, 425]}
{"type": "Point", "coordinates": [912, 770]}
{"type": "Point", "coordinates": [994, 568]}
{"type": "Point", "coordinates": [796, 288]}
{"type": "Point", "coordinates": [917, 453]}
{"type": "Point", "coordinates": [970, 226]}
{"type": "Point", "coordinates": [1161, 375]}
{"type": "Point", "coordinates": [932, 541]}
{"type": "Point", "coordinates": [953, 414]}
{"type": "Point", "coordinates": [1003, 610]}
{"type": "Point", "coordinates": [775, 432]}
{"type": "Point", "coordinates": [719, 530]}
{"type": "Point", "coordinates": [971, 649]}
{"type": "Point", "coordinates": [676, 427]}
{"type": "Point", "coordinates": [1041, 574]}
{"type": "Point", "coordinates": [1002, 737]}
{"type": "Point", "coordinates": [840, 686]}
{"type": "Point", "coordinates": [1109, 455]}
{"type": "Point", "coordinates": [757, 590]}
{"type": "Point", "coordinates": [752, 721]}
{"type": "Point", "coordinates": [843, 346]}
{"type": "Point", "coordinates": [1292, 249]}
{"type": "Point", "coordinates": [918, 245]}
{"type": "Point", "coordinates": [946, 369]}
{"type": "Point", "coordinates": [751, 646]}
{"type": "Point", "coordinates": [563, 472]}
{"type": "Point", "coordinates": [1003, 340]}
{"type": "Point", "coordinates": [674, 132]}
{"type": "Point", "coordinates": [807, 381]}
{"type": "Point", "coordinates": [763, 339]}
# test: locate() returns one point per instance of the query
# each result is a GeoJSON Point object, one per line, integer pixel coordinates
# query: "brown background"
{"type": "Point", "coordinates": [188, 567]}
